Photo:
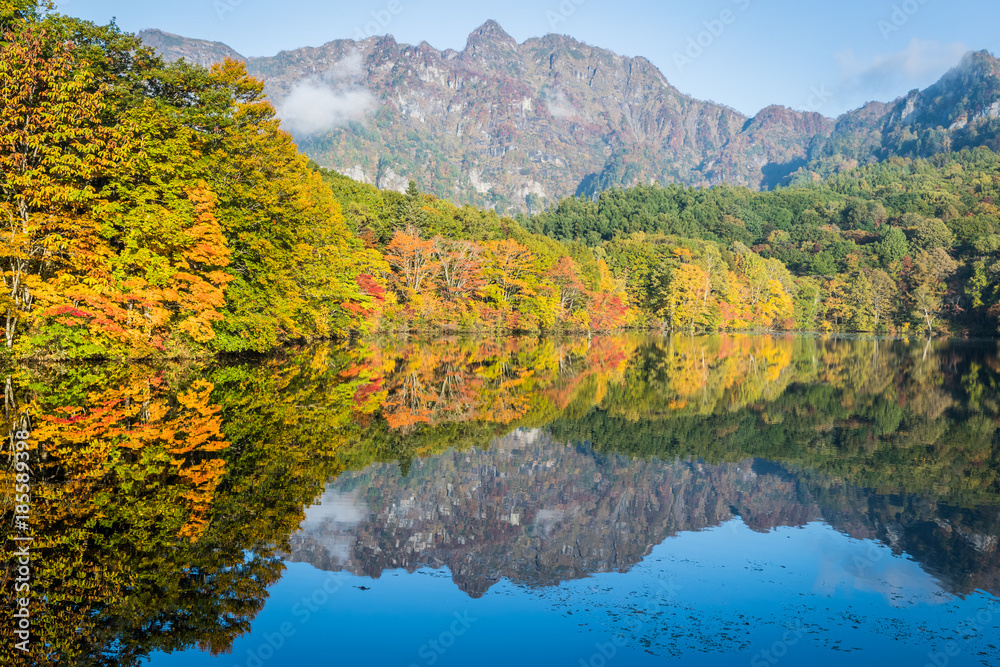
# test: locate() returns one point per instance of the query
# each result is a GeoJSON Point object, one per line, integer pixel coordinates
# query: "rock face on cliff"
{"type": "Point", "coordinates": [507, 124]}
{"type": "Point", "coordinates": [519, 126]}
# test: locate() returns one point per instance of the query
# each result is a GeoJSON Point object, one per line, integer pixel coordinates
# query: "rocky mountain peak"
{"type": "Point", "coordinates": [982, 62]}
{"type": "Point", "coordinates": [490, 34]}
{"type": "Point", "coordinates": [490, 49]}
{"type": "Point", "coordinates": [519, 126]}
{"type": "Point", "coordinates": [967, 93]}
{"type": "Point", "coordinates": [782, 116]}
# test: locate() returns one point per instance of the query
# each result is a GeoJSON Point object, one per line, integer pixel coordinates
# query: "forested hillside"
{"type": "Point", "coordinates": [961, 110]}
{"type": "Point", "coordinates": [158, 209]}
{"type": "Point", "coordinates": [894, 246]}
{"type": "Point", "coordinates": [154, 209]}
{"type": "Point", "coordinates": [901, 246]}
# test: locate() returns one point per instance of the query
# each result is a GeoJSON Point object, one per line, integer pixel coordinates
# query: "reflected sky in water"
{"type": "Point", "coordinates": [537, 552]}
{"type": "Point", "coordinates": [723, 596]}
{"type": "Point", "coordinates": [718, 500]}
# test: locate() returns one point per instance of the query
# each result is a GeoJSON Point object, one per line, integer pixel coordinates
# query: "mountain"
{"type": "Point", "coordinates": [961, 110]}
{"type": "Point", "coordinates": [539, 512]}
{"type": "Point", "coordinates": [519, 126]}
{"type": "Point", "coordinates": [193, 50]}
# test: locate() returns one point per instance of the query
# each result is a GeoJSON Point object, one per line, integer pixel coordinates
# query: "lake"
{"type": "Point", "coordinates": [624, 500]}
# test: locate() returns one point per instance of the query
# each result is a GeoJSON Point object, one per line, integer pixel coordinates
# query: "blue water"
{"type": "Point", "coordinates": [722, 596]}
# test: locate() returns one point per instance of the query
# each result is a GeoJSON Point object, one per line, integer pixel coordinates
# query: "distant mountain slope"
{"type": "Point", "coordinates": [961, 110]}
{"type": "Point", "coordinates": [519, 126]}
{"type": "Point", "coordinates": [198, 51]}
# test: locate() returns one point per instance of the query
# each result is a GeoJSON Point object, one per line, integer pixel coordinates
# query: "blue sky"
{"type": "Point", "coordinates": [822, 56]}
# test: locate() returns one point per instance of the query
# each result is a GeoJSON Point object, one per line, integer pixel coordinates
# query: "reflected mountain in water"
{"type": "Point", "coordinates": [539, 512]}
{"type": "Point", "coordinates": [165, 495]}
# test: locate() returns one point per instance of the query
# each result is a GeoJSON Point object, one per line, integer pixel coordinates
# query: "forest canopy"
{"type": "Point", "coordinates": [154, 209]}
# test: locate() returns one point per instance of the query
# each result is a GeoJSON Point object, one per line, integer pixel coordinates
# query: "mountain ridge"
{"type": "Point", "coordinates": [519, 126]}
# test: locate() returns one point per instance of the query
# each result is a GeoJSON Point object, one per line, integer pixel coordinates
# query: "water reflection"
{"type": "Point", "coordinates": [167, 500]}
{"type": "Point", "coordinates": [538, 512]}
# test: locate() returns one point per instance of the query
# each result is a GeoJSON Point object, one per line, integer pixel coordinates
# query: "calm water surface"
{"type": "Point", "coordinates": [724, 500]}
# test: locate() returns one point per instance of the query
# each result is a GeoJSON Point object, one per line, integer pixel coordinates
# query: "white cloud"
{"type": "Point", "coordinates": [872, 567]}
{"type": "Point", "coordinates": [887, 76]}
{"type": "Point", "coordinates": [331, 522]}
{"type": "Point", "coordinates": [336, 507]}
{"type": "Point", "coordinates": [314, 108]}
{"type": "Point", "coordinates": [559, 105]}
{"type": "Point", "coordinates": [347, 68]}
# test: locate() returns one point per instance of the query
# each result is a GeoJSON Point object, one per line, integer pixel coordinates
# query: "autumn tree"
{"type": "Point", "coordinates": [766, 285]}
{"type": "Point", "coordinates": [413, 258]}
{"type": "Point", "coordinates": [296, 265]}
{"type": "Point", "coordinates": [14, 11]}
{"type": "Point", "coordinates": [808, 303]}
{"type": "Point", "coordinates": [884, 295]}
{"type": "Point", "coordinates": [507, 265]}
{"type": "Point", "coordinates": [862, 307]}
{"type": "Point", "coordinates": [682, 303]}
{"type": "Point", "coordinates": [572, 291]}
{"type": "Point", "coordinates": [461, 267]}
{"type": "Point", "coordinates": [51, 145]}
{"type": "Point", "coordinates": [610, 307]}
{"type": "Point", "coordinates": [928, 286]}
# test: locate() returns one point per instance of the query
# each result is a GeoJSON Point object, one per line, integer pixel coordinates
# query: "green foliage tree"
{"type": "Point", "coordinates": [893, 247]}
{"type": "Point", "coordinates": [861, 298]}
{"type": "Point", "coordinates": [927, 233]}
